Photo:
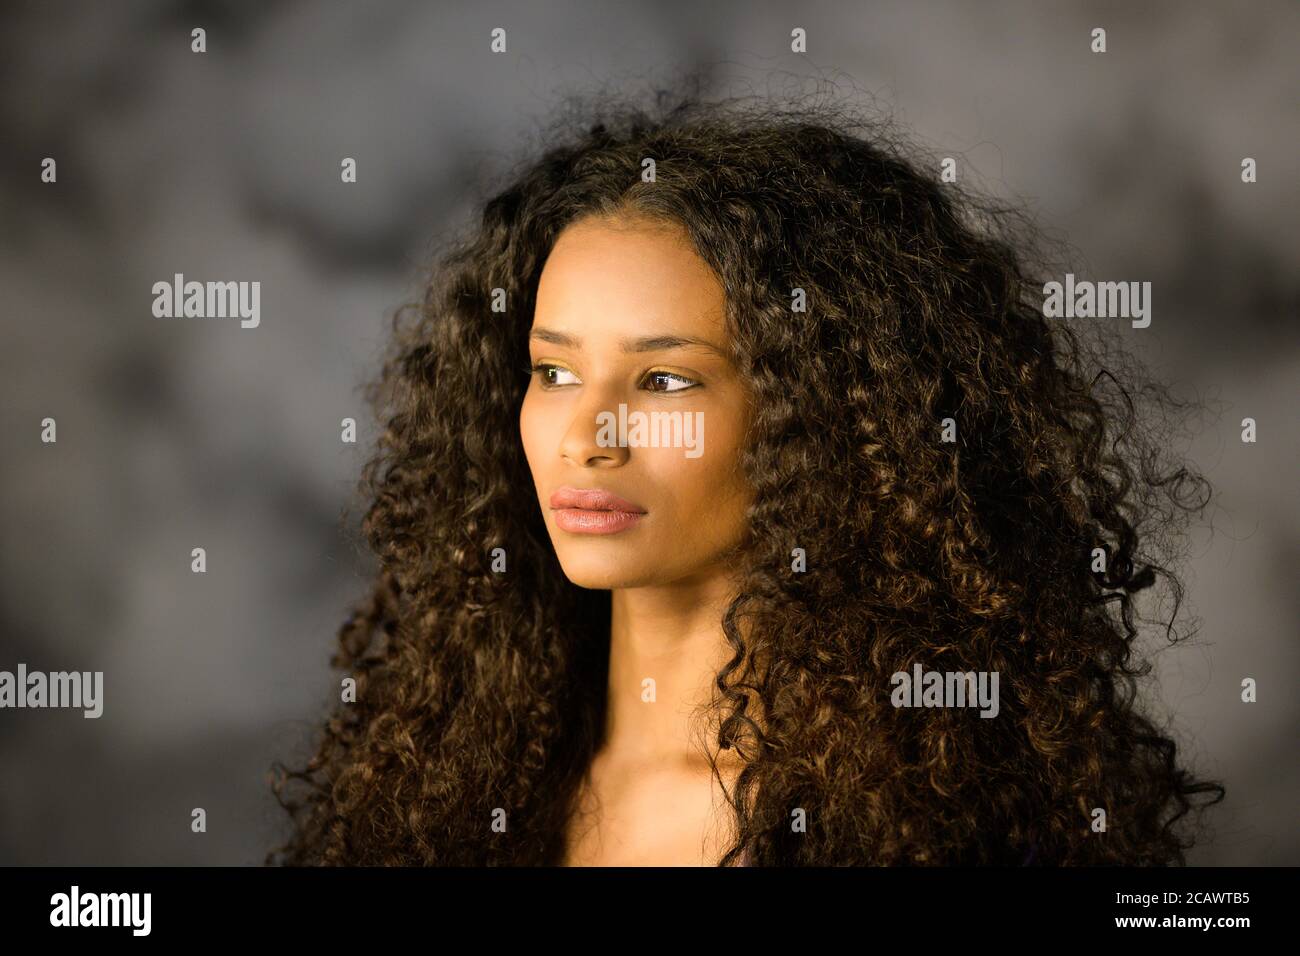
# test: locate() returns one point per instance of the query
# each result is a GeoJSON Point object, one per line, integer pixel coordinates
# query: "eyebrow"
{"type": "Point", "coordinates": [646, 343]}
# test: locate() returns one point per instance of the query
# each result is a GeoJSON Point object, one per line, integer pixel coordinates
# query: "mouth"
{"type": "Point", "coordinates": [593, 511]}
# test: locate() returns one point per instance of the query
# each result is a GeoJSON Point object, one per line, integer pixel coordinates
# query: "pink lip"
{"type": "Point", "coordinates": [593, 511]}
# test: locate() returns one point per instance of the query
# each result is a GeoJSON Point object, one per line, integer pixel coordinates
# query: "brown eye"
{"type": "Point", "coordinates": [669, 382]}
{"type": "Point", "coordinates": [550, 375]}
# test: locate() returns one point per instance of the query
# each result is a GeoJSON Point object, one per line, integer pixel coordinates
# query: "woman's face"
{"type": "Point", "coordinates": [633, 396]}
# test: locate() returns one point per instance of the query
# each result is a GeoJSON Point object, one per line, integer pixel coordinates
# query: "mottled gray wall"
{"type": "Point", "coordinates": [225, 166]}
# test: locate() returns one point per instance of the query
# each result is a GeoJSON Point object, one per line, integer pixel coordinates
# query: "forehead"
{"type": "Point", "coordinates": [612, 278]}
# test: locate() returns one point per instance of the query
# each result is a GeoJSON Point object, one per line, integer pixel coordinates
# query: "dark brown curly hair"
{"type": "Point", "coordinates": [477, 690]}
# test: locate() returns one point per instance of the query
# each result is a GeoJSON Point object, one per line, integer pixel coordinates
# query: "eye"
{"type": "Point", "coordinates": [550, 374]}
{"type": "Point", "coordinates": [667, 379]}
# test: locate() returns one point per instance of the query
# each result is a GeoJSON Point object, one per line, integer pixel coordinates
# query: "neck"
{"type": "Point", "coordinates": [670, 635]}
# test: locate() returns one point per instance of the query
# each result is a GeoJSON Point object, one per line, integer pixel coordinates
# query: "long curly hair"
{"type": "Point", "coordinates": [478, 692]}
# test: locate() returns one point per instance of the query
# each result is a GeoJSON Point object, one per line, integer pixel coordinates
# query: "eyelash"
{"type": "Point", "coordinates": [535, 368]}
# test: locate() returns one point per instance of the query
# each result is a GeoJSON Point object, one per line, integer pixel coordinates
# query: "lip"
{"type": "Point", "coordinates": [593, 511]}
{"type": "Point", "coordinates": [592, 499]}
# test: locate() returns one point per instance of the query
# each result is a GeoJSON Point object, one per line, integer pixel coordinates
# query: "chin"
{"type": "Point", "coordinates": [606, 572]}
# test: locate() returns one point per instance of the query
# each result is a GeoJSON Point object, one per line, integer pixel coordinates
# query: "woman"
{"type": "Point", "coordinates": [727, 441]}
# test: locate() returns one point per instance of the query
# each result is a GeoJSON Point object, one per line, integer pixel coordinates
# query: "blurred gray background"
{"type": "Point", "coordinates": [174, 433]}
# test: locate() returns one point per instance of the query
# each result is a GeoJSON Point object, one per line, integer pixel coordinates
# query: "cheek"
{"type": "Point", "coordinates": [705, 492]}
{"type": "Point", "coordinates": [729, 492]}
{"type": "Point", "coordinates": [532, 430]}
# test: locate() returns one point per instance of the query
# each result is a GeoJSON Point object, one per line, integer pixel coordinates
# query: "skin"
{"type": "Point", "coordinates": [651, 797]}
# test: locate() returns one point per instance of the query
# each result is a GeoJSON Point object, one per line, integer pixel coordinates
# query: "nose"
{"type": "Point", "coordinates": [581, 443]}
